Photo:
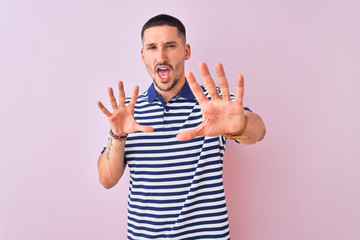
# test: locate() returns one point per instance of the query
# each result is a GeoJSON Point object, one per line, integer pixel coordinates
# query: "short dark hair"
{"type": "Point", "coordinates": [164, 20]}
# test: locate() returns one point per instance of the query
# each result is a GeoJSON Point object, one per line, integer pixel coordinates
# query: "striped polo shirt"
{"type": "Point", "coordinates": [176, 188]}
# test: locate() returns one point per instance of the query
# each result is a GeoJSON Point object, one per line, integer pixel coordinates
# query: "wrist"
{"type": "Point", "coordinates": [117, 137]}
{"type": "Point", "coordinates": [239, 134]}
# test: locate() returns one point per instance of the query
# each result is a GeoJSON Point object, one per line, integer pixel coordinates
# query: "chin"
{"type": "Point", "coordinates": [165, 86]}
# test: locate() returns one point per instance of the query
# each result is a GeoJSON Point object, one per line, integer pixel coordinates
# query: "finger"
{"type": "Point", "coordinates": [240, 89]}
{"type": "Point", "coordinates": [143, 128]}
{"type": "Point", "coordinates": [223, 83]}
{"type": "Point", "coordinates": [195, 88]}
{"type": "Point", "coordinates": [103, 109]}
{"type": "Point", "coordinates": [121, 94]}
{"type": "Point", "coordinates": [134, 97]}
{"type": "Point", "coordinates": [190, 134]}
{"type": "Point", "coordinates": [209, 82]}
{"type": "Point", "coordinates": [112, 99]}
{"type": "Point", "coordinates": [186, 135]}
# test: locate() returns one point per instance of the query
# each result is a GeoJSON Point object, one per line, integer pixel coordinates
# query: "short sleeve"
{"type": "Point", "coordinates": [103, 150]}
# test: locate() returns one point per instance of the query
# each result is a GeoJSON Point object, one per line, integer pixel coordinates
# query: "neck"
{"type": "Point", "coordinates": [167, 95]}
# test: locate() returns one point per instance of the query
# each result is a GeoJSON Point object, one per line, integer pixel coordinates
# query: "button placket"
{"type": "Point", "coordinates": [166, 111]}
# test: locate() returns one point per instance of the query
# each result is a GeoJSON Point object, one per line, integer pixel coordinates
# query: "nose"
{"type": "Point", "coordinates": [161, 55]}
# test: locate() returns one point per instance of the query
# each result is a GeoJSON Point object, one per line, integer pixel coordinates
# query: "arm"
{"type": "Point", "coordinates": [111, 163]}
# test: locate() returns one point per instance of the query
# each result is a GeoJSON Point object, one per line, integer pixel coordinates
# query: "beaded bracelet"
{"type": "Point", "coordinates": [119, 138]}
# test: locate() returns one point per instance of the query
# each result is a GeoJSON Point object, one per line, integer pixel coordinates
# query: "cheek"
{"type": "Point", "coordinates": [146, 62]}
{"type": "Point", "coordinates": [179, 67]}
{"type": "Point", "coordinates": [149, 67]}
{"type": "Point", "coordinates": [147, 59]}
{"type": "Point", "coordinates": [180, 61]}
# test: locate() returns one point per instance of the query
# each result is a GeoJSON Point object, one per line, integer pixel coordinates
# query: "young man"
{"type": "Point", "coordinates": [172, 138]}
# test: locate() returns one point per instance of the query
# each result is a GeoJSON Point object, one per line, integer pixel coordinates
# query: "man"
{"type": "Point", "coordinates": [172, 139]}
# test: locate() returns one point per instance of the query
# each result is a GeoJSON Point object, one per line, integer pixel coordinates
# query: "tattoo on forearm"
{"type": "Point", "coordinates": [108, 152]}
{"type": "Point", "coordinates": [108, 155]}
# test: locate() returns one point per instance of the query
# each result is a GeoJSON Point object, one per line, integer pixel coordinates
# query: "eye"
{"type": "Point", "coordinates": [152, 47]}
{"type": "Point", "coordinates": [171, 46]}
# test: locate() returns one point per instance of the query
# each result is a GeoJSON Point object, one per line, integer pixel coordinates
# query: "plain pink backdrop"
{"type": "Point", "coordinates": [301, 62]}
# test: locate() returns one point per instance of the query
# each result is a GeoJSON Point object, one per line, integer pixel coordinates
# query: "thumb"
{"type": "Point", "coordinates": [145, 128]}
{"type": "Point", "coordinates": [190, 134]}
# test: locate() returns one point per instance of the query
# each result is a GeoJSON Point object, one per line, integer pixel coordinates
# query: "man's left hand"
{"type": "Point", "coordinates": [221, 115]}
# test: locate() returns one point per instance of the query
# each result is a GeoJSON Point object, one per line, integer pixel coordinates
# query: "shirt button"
{"type": "Point", "coordinates": [167, 109]}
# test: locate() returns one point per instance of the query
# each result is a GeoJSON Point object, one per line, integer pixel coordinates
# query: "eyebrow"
{"type": "Point", "coordinates": [152, 44]}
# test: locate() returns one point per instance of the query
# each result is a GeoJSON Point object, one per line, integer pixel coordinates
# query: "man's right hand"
{"type": "Point", "coordinates": [121, 120]}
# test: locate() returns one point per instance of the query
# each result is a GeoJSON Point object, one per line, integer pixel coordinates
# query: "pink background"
{"type": "Point", "coordinates": [301, 62]}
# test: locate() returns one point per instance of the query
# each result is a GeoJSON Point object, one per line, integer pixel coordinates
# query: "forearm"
{"type": "Point", "coordinates": [255, 129]}
{"type": "Point", "coordinates": [111, 164]}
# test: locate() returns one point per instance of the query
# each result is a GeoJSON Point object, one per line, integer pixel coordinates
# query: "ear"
{"type": "Point", "coordinates": [187, 51]}
{"type": "Point", "coordinates": [142, 54]}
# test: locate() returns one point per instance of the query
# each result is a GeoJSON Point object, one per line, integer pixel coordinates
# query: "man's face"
{"type": "Point", "coordinates": [164, 53]}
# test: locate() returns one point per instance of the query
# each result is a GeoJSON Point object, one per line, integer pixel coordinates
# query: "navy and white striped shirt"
{"type": "Point", "coordinates": [176, 188]}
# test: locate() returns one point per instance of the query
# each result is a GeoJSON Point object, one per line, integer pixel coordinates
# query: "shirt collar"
{"type": "Point", "coordinates": [185, 92]}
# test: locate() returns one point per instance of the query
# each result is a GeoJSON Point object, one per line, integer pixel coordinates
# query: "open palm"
{"type": "Point", "coordinates": [220, 114]}
{"type": "Point", "coordinates": [121, 120]}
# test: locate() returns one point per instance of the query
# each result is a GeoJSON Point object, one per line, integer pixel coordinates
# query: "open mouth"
{"type": "Point", "coordinates": [163, 72]}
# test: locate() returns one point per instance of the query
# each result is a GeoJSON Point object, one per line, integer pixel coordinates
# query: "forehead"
{"type": "Point", "coordinates": [161, 34]}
